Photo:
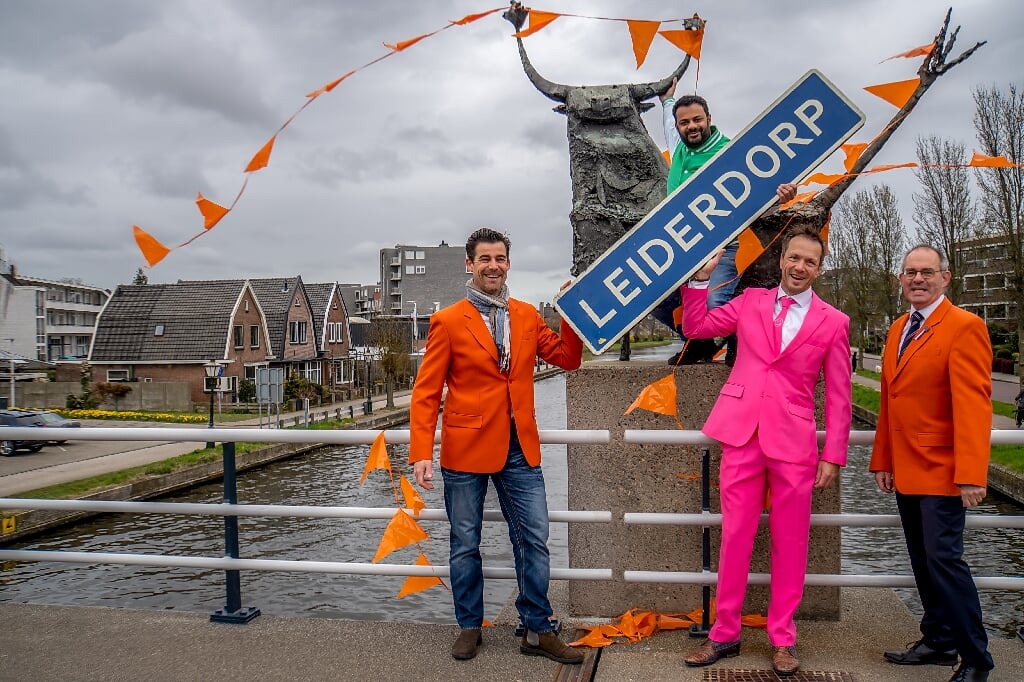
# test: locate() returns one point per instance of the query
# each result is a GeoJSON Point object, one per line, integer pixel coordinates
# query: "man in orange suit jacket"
{"type": "Point", "coordinates": [485, 348]}
{"type": "Point", "coordinates": [932, 448]}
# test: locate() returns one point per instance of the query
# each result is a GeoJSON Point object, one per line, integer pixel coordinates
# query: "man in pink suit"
{"type": "Point", "coordinates": [764, 419]}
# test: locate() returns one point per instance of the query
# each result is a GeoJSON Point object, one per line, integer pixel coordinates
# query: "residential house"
{"type": "Point", "coordinates": [333, 336]}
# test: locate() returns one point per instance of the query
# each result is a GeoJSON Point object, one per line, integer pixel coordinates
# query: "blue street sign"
{"type": "Point", "coordinates": [784, 144]}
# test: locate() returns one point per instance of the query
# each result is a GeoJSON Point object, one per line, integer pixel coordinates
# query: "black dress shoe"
{"type": "Point", "coordinates": [966, 673]}
{"type": "Point", "coordinates": [919, 653]}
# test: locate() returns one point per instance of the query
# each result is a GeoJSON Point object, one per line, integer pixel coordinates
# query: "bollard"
{"type": "Point", "coordinates": [351, 412]}
{"type": "Point", "coordinates": [232, 611]}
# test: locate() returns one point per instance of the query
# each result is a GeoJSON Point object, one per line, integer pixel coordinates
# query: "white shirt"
{"type": "Point", "coordinates": [795, 316]}
{"type": "Point", "coordinates": [925, 312]}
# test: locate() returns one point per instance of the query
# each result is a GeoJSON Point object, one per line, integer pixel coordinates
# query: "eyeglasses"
{"type": "Point", "coordinates": [927, 273]}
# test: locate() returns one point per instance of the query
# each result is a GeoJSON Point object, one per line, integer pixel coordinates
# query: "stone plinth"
{"type": "Point", "coordinates": [654, 478]}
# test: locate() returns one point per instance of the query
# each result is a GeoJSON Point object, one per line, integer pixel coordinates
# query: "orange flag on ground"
{"type": "Point", "coordinates": [659, 397]}
{"type": "Point", "coordinates": [896, 93]}
{"type": "Point", "coordinates": [538, 20]}
{"type": "Point", "coordinates": [418, 583]}
{"type": "Point", "coordinates": [668, 622]}
{"type": "Point", "coordinates": [262, 157]}
{"type": "Point", "coordinates": [687, 41]}
{"type": "Point", "coordinates": [412, 498]}
{"type": "Point", "coordinates": [642, 34]}
{"type": "Point", "coordinates": [853, 150]}
{"type": "Point", "coordinates": [984, 161]}
{"type": "Point", "coordinates": [754, 620]}
{"type": "Point", "coordinates": [749, 250]}
{"type": "Point", "coordinates": [152, 250]}
{"type": "Point", "coordinates": [330, 86]}
{"type": "Point", "coordinates": [921, 51]}
{"type": "Point", "coordinates": [402, 531]}
{"type": "Point", "coordinates": [378, 457]}
{"type": "Point", "coordinates": [212, 213]}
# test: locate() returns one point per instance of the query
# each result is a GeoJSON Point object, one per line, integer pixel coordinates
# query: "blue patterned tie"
{"type": "Point", "coordinates": [915, 323]}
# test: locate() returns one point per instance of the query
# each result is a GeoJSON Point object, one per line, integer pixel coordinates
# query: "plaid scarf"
{"type": "Point", "coordinates": [495, 308]}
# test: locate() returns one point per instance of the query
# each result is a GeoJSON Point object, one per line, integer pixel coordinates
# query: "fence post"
{"type": "Point", "coordinates": [704, 628]}
{"type": "Point", "coordinates": [233, 612]}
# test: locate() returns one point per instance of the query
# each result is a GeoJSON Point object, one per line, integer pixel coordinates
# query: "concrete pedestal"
{"type": "Point", "coordinates": [651, 478]}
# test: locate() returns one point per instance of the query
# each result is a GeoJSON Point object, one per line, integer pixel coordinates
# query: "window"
{"type": "Point", "coordinates": [254, 336]}
{"type": "Point", "coordinates": [420, 255]}
{"type": "Point", "coordinates": [117, 375]}
{"type": "Point", "coordinates": [81, 346]}
{"type": "Point", "coordinates": [409, 255]}
{"type": "Point", "coordinates": [297, 331]}
{"type": "Point", "coordinates": [238, 334]}
{"type": "Point", "coordinates": [410, 269]}
{"type": "Point", "coordinates": [332, 332]}
{"type": "Point", "coordinates": [158, 330]}
{"type": "Point", "coordinates": [421, 269]}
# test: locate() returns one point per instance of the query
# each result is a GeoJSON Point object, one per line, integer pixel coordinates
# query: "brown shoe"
{"type": "Point", "coordinates": [710, 651]}
{"type": "Point", "coordinates": [548, 645]}
{"type": "Point", "coordinates": [784, 660]}
{"type": "Point", "coordinates": [466, 644]}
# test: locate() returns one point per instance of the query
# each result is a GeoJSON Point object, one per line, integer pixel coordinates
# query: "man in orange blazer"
{"type": "Point", "coordinates": [932, 448]}
{"type": "Point", "coordinates": [485, 348]}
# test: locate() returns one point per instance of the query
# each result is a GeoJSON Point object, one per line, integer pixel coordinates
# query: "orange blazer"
{"type": "Point", "coordinates": [481, 401]}
{"type": "Point", "coordinates": [935, 421]}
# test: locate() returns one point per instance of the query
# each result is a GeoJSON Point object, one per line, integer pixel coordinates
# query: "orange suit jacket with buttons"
{"type": "Point", "coordinates": [481, 400]}
{"type": "Point", "coordinates": [935, 417]}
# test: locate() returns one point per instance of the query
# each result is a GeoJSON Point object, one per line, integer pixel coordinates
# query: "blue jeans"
{"type": "Point", "coordinates": [720, 293]}
{"type": "Point", "coordinates": [524, 505]}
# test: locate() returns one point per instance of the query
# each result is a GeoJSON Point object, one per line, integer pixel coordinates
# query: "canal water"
{"type": "Point", "coordinates": [331, 478]}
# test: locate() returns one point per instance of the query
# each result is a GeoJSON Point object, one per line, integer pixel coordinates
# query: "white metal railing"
{"type": "Point", "coordinates": [677, 437]}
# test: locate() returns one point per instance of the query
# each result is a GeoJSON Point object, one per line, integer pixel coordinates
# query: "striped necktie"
{"type": "Point", "coordinates": [916, 319]}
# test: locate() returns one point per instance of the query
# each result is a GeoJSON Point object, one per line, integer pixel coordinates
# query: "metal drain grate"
{"type": "Point", "coordinates": [732, 675]}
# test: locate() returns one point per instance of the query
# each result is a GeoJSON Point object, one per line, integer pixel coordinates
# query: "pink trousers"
{"type": "Point", "coordinates": [743, 474]}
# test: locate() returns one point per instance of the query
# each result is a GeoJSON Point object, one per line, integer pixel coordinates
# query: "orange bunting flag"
{"type": "Point", "coordinates": [687, 41]}
{"type": "Point", "coordinates": [212, 213]}
{"type": "Point", "coordinates": [538, 20]}
{"type": "Point", "coordinates": [824, 231]}
{"type": "Point", "coordinates": [152, 250]}
{"type": "Point", "coordinates": [667, 155]}
{"type": "Point", "coordinates": [413, 500]}
{"type": "Point", "coordinates": [853, 150]}
{"type": "Point", "coordinates": [922, 51]}
{"type": "Point", "coordinates": [659, 397]}
{"type": "Point", "coordinates": [330, 86]}
{"type": "Point", "coordinates": [469, 18]}
{"type": "Point", "coordinates": [595, 639]}
{"type": "Point", "coordinates": [262, 157]}
{"type": "Point", "coordinates": [402, 531]}
{"type": "Point", "coordinates": [418, 583]}
{"type": "Point", "coordinates": [891, 166]}
{"type": "Point", "coordinates": [896, 94]}
{"type": "Point", "coordinates": [642, 33]}
{"type": "Point", "coordinates": [666, 622]}
{"type": "Point", "coordinates": [378, 458]}
{"type": "Point", "coordinates": [749, 250]}
{"type": "Point", "coordinates": [399, 46]}
{"type": "Point", "coordinates": [983, 161]}
{"type": "Point", "coordinates": [804, 197]}
{"type": "Point", "coordinates": [820, 179]}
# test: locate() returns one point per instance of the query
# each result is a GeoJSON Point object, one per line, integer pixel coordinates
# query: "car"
{"type": "Point", "coordinates": [55, 421]}
{"type": "Point", "coordinates": [17, 418]}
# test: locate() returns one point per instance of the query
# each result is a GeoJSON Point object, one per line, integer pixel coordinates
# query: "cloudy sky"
{"type": "Point", "coordinates": [117, 112]}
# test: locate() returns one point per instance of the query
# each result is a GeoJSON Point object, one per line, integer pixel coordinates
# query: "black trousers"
{"type": "Point", "coordinates": [934, 528]}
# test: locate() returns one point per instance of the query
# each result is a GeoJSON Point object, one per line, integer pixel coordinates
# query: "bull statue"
{"type": "Point", "coordinates": [618, 172]}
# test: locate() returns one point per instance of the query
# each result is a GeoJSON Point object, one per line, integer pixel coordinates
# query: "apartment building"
{"type": "Point", "coordinates": [988, 289]}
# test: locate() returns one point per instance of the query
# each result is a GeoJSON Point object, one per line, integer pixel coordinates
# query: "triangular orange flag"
{"type": "Point", "coordinates": [749, 251]}
{"type": "Point", "coordinates": [330, 86]}
{"type": "Point", "coordinates": [262, 157]}
{"type": "Point", "coordinates": [378, 457]}
{"type": "Point", "coordinates": [642, 33]}
{"type": "Point", "coordinates": [473, 17]}
{"type": "Point", "coordinates": [853, 150]}
{"type": "Point", "coordinates": [673, 623]}
{"type": "Point", "coordinates": [891, 166]}
{"type": "Point", "coordinates": [921, 51]}
{"type": "Point", "coordinates": [896, 93]}
{"type": "Point", "coordinates": [402, 531]}
{"type": "Point", "coordinates": [418, 583]}
{"type": "Point", "coordinates": [538, 20]}
{"type": "Point", "coordinates": [822, 179]}
{"type": "Point", "coordinates": [152, 250]}
{"type": "Point", "coordinates": [687, 41]}
{"type": "Point", "coordinates": [983, 161]}
{"type": "Point", "coordinates": [667, 155]}
{"type": "Point", "coordinates": [594, 639]}
{"type": "Point", "coordinates": [412, 498]}
{"type": "Point", "coordinates": [212, 213]}
{"type": "Point", "coordinates": [398, 47]}
{"type": "Point", "coordinates": [659, 397]}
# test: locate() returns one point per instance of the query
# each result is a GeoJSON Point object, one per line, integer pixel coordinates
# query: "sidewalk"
{"type": "Point", "coordinates": [998, 421]}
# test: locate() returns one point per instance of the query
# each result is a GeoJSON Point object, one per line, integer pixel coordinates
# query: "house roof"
{"type": "Point", "coordinates": [320, 300]}
{"type": "Point", "coordinates": [194, 317]}
{"type": "Point", "coordinates": [275, 296]}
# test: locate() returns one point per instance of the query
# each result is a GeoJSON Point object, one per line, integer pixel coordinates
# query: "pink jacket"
{"type": "Point", "coordinates": [773, 393]}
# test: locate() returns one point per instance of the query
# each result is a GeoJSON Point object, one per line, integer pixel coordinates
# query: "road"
{"type": "Point", "coordinates": [1004, 386]}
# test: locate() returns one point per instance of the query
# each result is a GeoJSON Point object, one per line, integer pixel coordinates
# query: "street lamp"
{"type": "Point", "coordinates": [368, 407]}
{"type": "Point", "coordinates": [414, 329]}
{"type": "Point", "coordinates": [211, 370]}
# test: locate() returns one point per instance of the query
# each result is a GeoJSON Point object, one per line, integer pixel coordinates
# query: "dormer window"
{"type": "Point", "coordinates": [159, 330]}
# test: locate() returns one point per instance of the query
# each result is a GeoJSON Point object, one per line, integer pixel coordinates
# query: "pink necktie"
{"type": "Point", "coordinates": [780, 319]}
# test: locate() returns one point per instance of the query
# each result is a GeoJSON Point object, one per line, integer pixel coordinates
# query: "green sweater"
{"type": "Point", "coordinates": [687, 161]}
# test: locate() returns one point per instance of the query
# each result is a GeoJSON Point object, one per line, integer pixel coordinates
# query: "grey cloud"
{"type": "Point", "coordinates": [22, 185]}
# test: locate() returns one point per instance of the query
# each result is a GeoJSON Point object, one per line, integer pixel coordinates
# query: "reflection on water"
{"type": "Point", "coordinates": [331, 477]}
{"type": "Point", "coordinates": [326, 478]}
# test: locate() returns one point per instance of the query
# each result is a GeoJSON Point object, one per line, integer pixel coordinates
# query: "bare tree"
{"type": "Point", "coordinates": [999, 124]}
{"type": "Point", "coordinates": [392, 339]}
{"type": "Point", "coordinates": [867, 241]}
{"type": "Point", "coordinates": [944, 211]}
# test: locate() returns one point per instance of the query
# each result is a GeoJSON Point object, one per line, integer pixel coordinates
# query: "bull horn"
{"type": "Point", "coordinates": [550, 90]}
{"type": "Point", "coordinates": [642, 91]}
